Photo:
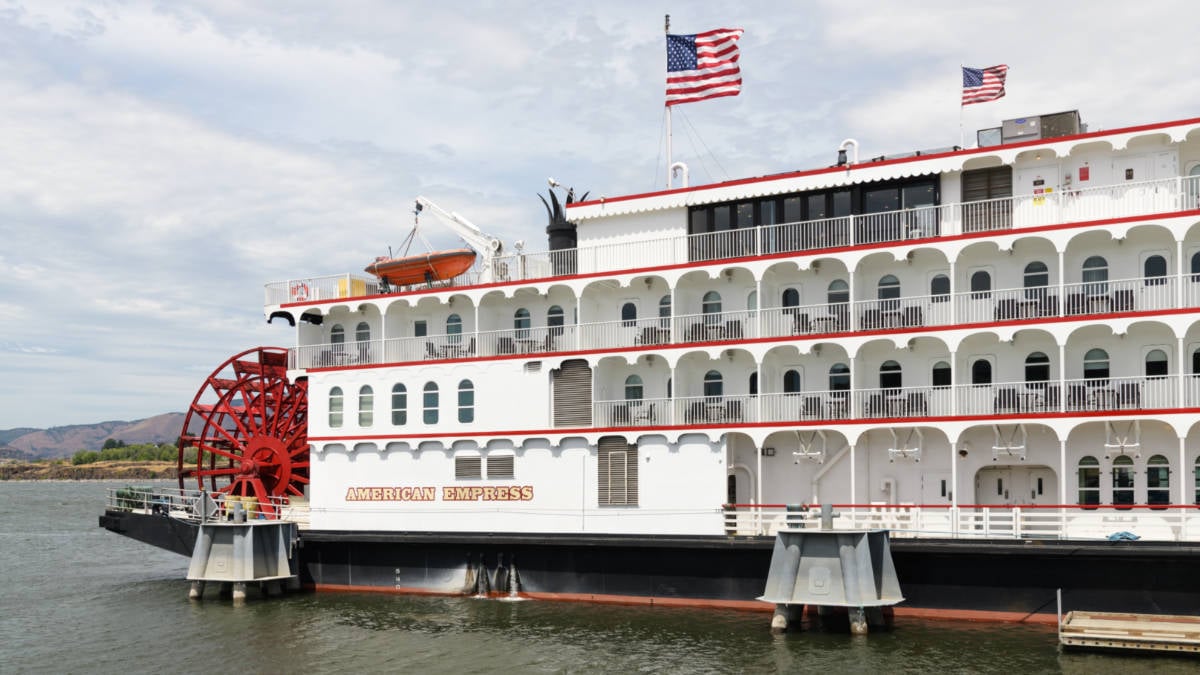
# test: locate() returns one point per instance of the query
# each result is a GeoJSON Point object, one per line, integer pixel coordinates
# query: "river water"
{"type": "Point", "coordinates": [77, 599]}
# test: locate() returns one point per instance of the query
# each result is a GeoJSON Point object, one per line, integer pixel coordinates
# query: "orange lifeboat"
{"type": "Point", "coordinates": [422, 268]}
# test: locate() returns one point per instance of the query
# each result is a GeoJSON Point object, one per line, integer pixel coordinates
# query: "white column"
{"type": "Point", "coordinates": [954, 389]}
{"type": "Point", "coordinates": [1062, 276]}
{"type": "Point", "coordinates": [854, 393]}
{"type": "Point", "coordinates": [1062, 376]}
{"type": "Point", "coordinates": [578, 321]}
{"type": "Point", "coordinates": [1062, 471]}
{"type": "Point", "coordinates": [1180, 374]}
{"type": "Point", "coordinates": [853, 299]}
{"type": "Point", "coordinates": [853, 474]}
{"type": "Point", "coordinates": [1183, 472]}
{"type": "Point", "coordinates": [954, 473]}
{"type": "Point", "coordinates": [1179, 275]}
{"type": "Point", "coordinates": [953, 298]}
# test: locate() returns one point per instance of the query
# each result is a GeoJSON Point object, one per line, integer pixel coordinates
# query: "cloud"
{"type": "Point", "coordinates": [165, 160]}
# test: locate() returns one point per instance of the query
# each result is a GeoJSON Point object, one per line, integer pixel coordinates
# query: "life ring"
{"type": "Point", "coordinates": [299, 291]}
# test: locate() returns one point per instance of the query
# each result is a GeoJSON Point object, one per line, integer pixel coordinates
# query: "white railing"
{"type": "Point", "coordinates": [716, 327]}
{"type": "Point", "coordinates": [975, 521]}
{"type": "Point", "coordinates": [627, 333]}
{"type": "Point", "coordinates": [1092, 203]}
{"type": "Point", "coordinates": [196, 506]}
{"type": "Point", "coordinates": [1004, 398]}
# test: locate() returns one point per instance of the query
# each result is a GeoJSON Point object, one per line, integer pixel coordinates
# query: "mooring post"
{"type": "Point", "coordinates": [196, 592]}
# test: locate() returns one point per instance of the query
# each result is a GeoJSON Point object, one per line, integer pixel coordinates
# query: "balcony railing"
{"type": "Point", "coordinates": [976, 521]}
{"type": "Point", "coordinates": [1093, 203]}
{"type": "Point", "coordinates": [1109, 394]}
{"type": "Point", "coordinates": [903, 313]}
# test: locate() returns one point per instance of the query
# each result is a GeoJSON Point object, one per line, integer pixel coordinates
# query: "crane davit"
{"type": "Point", "coordinates": [438, 266]}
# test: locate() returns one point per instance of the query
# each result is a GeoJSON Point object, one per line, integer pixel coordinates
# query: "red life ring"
{"type": "Point", "coordinates": [299, 291]}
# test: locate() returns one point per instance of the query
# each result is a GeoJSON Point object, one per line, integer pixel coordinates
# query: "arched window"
{"type": "Point", "coordinates": [752, 301]}
{"type": "Point", "coordinates": [521, 323]}
{"type": "Point", "coordinates": [366, 406]}
{"type": "Point", "coordinates": [890, 375]}
{"type": "Point", "coordinates": [554, 320]}
{"type": "Point", "coordinates": [1095, 275]}
{"type": "Point", "coordinates": [939, 288]}
{"type": "Point", "coordinates": [454, 328]}
{"type": "Point", "coordinates": [791, 382]}
{"type": "Point", "coordinates": [399, 404]}
{"type": "Point", "coordinates": [1196, 266]}
{"type": "Point", "coordinates": [1037, 369]}
{"type": "Point", "coordinates": [1196, 362]}
{"type": "Point", "coordinates": [839, 292]}
{"type": "Point", "coordinates": [981, 372]}
{"type": "Point", "coordinates": [711, 306]}
{"type": "Point", "coordinates": [466, 402]}
{"type": "Point", "coordinates": [335, 407]}
{"type": "Point", "coordinates": [791, 299]}
{"type": "Point", "coordinates": [628, 315]}
{"type": "Point", "coordinates": [754, 384]}
{"type": "Point", "coordinates": [714, 385]}
{"type": "Point", "coordinates": [1196, 483]}
{"type": "Point", "coordinates": [337, 334]}
{"type": "Point", "coordinates": [1158, 480]}
{"type": "Point", "coordinates": [941, 374]}
{"type": "Point", "coordinates": [981, 284]}
{"type": "Point", "coordinates": [429, 403]}
{"type": "Point", "coordinates": [1155, 270]}
{"type": "Point", "coordinates": [362, 332]}
{"type": "Point", "coordinates": [888, 292]}
{"type": "Point", "coordinates": [1122, 480]}
{"type": "Point", "coordinates": [839, 377]}
{"type": "Point", "coordinates": [633, 388]}
{"type": "Point", "coordinates": [1089, 481]}
{"type": "Point", "coordinates": [664, 312]}
{"type": "Point", "coordinates": [1095, 365]}
{"type": "Point", "coordinates": [1156, 363]}
{"type": "Point", "coordinates": [1037, 278]}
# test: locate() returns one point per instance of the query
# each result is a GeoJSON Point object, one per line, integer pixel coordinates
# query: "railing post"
{"type": "Point", "coordinates": [1016, 516]}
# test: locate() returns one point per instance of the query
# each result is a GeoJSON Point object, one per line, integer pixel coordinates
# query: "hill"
{"type": "Point", "coordinates": [62, 442]}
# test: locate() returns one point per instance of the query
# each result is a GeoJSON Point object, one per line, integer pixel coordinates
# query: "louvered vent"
{"type": "Point", "coordinates": [499, 466]}
{"type": "Point", "coordinates": [572, 394]}
{"type": "Point", "coordinates": [468, 466]}
{"type": "Point", "coordinates": [533, 366]}
{"type": "Point", "coordinates": [617, 479]}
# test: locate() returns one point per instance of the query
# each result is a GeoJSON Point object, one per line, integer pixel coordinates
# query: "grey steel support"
{"type": "Point", "coordinates": [242, 552]}
{"type": "Point", "coordinates": [828, 568]}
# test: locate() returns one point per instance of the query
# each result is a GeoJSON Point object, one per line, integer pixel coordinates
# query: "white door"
{"type": "Point", "coordinates": [993, 486]}
{"type": "Point", "coordinates": [936, 488]}
{"type": "Point", "coordinates": [1034, 485]}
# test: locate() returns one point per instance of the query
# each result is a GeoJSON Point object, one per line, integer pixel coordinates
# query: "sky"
{"type": "Point", "coordinates": [161, 162]}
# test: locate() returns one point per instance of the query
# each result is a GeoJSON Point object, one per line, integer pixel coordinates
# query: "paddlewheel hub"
{"type": "Point", "coordinates": [246, 432]}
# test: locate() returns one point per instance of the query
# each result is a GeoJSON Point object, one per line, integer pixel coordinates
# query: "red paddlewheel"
{"type": "Point", "coordinates": [248, 427]}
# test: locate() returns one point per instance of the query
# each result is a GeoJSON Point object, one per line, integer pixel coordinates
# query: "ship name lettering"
{"type": "Point", "coordinates": [421, 493]}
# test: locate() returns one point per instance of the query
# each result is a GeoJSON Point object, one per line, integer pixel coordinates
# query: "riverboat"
{"type": "Point", "coordinates": [993, 352]}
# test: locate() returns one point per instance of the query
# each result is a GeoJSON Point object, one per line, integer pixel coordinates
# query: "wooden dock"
{"type": "Point", "coordinates": [1131, 632]}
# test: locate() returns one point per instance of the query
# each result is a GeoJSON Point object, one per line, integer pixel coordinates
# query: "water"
{"type": "Point", "coordinates": [77, 599]}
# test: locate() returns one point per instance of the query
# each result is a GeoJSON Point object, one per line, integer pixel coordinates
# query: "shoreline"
{"type": "Point", "coordinates": [98, 471]}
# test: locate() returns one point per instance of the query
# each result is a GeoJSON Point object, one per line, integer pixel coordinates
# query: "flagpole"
{"type": "Point", "coordinates": [666, 30]}
{"type": "Point", "coordinates": [961, 137]}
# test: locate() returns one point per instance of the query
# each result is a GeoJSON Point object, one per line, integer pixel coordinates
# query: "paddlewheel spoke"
{"type": "Point", "coordinates": [245, 433]}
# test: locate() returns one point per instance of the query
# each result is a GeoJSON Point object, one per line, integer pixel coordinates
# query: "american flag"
{"type": "Point", "coordinates": [704, 65]}
{"type": "Point", "coordinates": [983, 84]}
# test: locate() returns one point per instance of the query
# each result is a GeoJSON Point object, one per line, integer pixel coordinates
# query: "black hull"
{"type": "Point", "coordinates": [1009, 580]}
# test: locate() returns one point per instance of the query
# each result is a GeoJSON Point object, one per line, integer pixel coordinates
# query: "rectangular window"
{"type": "Point", "coordinates": [499, 466]}
{"type": "Point", "coordinates": [420, 329]}
{"type": "Point", "coordinates": [745, 215]}
{"type": "Point", "coordinates": [699, 221]}
{"type": "Point", "coordinates": [816, 207]}
{"type": "Point", "coordinates": [467, 467]}
{"type": "Point", "coordinates": [617, 473]}
{"type": "Point", "coordinates": [791, 210]}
